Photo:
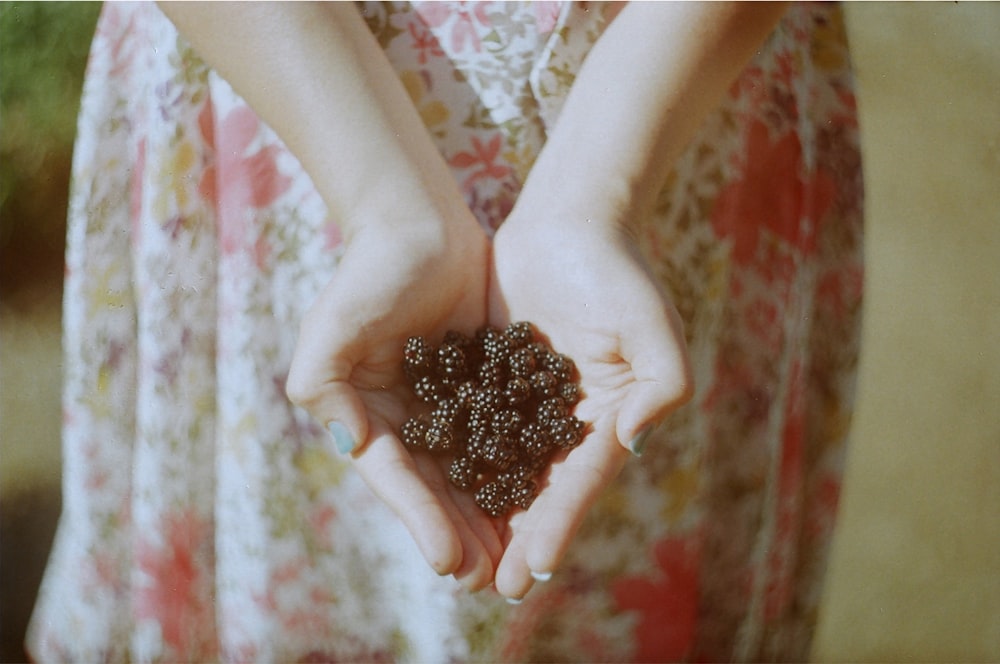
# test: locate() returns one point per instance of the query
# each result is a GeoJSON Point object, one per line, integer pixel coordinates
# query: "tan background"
{"type": "Point", "coordinates": [916, 567]}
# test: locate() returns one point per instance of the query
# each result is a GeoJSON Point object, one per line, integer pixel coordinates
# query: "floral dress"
{"type": "Point", "coordinates": [204, 517]}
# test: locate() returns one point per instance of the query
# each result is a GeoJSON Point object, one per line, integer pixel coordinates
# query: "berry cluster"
{"type": "Point", "coordinates": [500, 407]}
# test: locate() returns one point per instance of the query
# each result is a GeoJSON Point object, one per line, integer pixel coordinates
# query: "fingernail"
{"type": "Point", "coordinates": [541, 576]}
{"type": "Point", "coordinates": [638, 444]}
{"type": "Point", "coordinates": [514, 600]}
{"type": "Point", "coordinates": [341, 437]}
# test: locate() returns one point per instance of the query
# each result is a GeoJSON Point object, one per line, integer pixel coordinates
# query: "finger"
{"type": "Point", "coordinates": [539, 544]}
{"type": "Point", "coordinates": [657, 353]}
{"type": "Point", "coordinates": [392, 475]}
{"type": "Point", "coordinates": [513, 577]}
{"type": "Point", "coordinates": [486, 535]}
{"type": "Point", "coordinates": [479, 542]}
{"type": "Point", "coordinates": [318, 381]}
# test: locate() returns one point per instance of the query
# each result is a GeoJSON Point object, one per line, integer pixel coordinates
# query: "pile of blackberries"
{"type": "Point", "coordinates": [500, 408]}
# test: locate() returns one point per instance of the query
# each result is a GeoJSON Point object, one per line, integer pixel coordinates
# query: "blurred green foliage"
{"type": "Point", "coordinates": [43, 53]}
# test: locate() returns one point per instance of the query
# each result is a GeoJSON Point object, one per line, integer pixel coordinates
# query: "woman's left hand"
{"type": "Point", "coordinates": [587, 290]}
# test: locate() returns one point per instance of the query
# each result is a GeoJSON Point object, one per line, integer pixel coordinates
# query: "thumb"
{"type": "Point", "coordinates": [334, 403]}
{"type": "Point", "coordinates": [662, 375]}
{"type": "Point", "coordinates": [342, 412]}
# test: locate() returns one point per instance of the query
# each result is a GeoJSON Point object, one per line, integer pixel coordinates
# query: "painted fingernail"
{"type": "Point", "coordinates": [341, 437]}
{"type": "Point", "coordinates": [541, 576]}
{"type": "Point", "coordinates": [638, 444]}
{"type": "Point", "coordinates": [514, 600]}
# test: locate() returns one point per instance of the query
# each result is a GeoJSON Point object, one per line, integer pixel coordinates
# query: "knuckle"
{"type": "Point", "coordinates": [301, 390]}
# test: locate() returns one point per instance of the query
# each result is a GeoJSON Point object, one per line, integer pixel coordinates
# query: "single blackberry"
{"type": "Point", "coordinates": [550, 410]}
{"type": "Point", "coordinates": [540, 349]}
{"type": "Point", "coordinates": [559, 366]}
{"type": "Point", "coordinates": [462, 473]}
{"type": "Point", "coordinates": [479, 420]}
{"type": "Point", "coordinates": [475, 445]}
{"type": "Point", "coordinates": [524, 470]}
{"type": "Point", "coordinates": [543, 384]}
{"type": "Point", "coordinates": [507, 422]}
{"type": "Point", "coordinates": [465, 391]}
{"type": "Point", "coordinates": [498, 452]}
{"type": "Point", "coordinates": [440, 437]}
{"type": "Point", "coordinates": [485, 336]}
{"type": "Point", "coordinates": [491, 374]}
{"type": "Point", "coordinates": [487, 400]}
{"type": "Point", "coordinates": [522, 362]}
{"type": "Point", "coordinates": [418, 358]}
{"type": "Point", "coordinates": [520, 334]}
{"type": "Point", "coordinates": [447, 412]}
{"type": "Point", "coordinates": [496, 346]}
{"type": "Point", "coordinates": [494, 498]}
{"type": "Point", "coordinates": [522, 496]}
{"type": "Point", "coordinates": [517, 390]}
{"type": "Point", "coordinates": [569, 392]}
{"type": "Point", "coordinates": [414, 432]}
{"type": "Point", "coordinates": [428, 389]}
{"type": "Point", "coordinates": [567, 432]}
{"type": "Point", "coordinates": [451, 361]}
{"type": "Point", "coordinates": [534, 441]}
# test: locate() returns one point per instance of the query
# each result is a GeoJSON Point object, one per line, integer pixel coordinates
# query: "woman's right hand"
{"type": "Point", "coordinates": [395, 281]}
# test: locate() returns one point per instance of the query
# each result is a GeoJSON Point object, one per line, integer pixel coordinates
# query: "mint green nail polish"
{"type": "Point", "coordinates": [341, 437]}
{"type": "Point", "coordinates": [638, 444]}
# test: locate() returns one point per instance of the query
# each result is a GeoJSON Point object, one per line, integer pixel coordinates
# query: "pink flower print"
{"type": "Point", "coordinates": [773, 194]}
{"type": "Point", "coordinates": [481, 159]}
{"type": "Point", "coordinates": [464, 27]}
{"type": "Point", "coordinates": [424, 42]}
{"type": "Point", "coordinates": [546, 15]}
{"type": "Point", "coordinates": [174, 592]}
{"type": "Point", "coordinates": [240, 180]}
{"type": "Point", "coordinates": [667, 604]}
{"type": "Point", "coordinates": [839, 291]}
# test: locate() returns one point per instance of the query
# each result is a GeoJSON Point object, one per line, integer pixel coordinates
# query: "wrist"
{"type": "Point", "coordinates": [603, 205]}
{"type": "Point", "coordinates": [406, 210]}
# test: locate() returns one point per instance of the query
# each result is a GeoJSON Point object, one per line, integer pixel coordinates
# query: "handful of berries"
{"type": "Point", "coordinates": [500, 409]}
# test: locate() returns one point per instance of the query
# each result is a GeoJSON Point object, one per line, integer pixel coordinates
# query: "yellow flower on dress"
{"type": "Point", "coordinates": [176, 175]}
{"type": "Point", "coordinates": [319, 469]}
{"type": "Point", "coordinates": [433, 112]}
{"type": "Point", "coordinates": [827, 46]}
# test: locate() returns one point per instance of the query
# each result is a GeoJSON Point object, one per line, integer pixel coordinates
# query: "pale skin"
{"type": "Point", "coordinates": [416, 262]}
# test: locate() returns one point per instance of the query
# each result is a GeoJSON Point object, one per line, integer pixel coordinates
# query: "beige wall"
{"type": "Point", "coordinates": [916, 568]}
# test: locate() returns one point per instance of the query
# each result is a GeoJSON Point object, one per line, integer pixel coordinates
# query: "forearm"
{"type": "Point", "coordinates": [316, 75]}
{"type": "Point", "coordinates": [641, 94]}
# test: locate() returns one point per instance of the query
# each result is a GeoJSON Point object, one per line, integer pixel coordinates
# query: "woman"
{"type": "Point", "coordinates": [592, 169]}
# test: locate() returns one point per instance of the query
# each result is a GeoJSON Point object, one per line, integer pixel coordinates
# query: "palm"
{"type": "Point", "coordinates": [348, 368]}
{"type": "Point", "coordinates": [596, 303]}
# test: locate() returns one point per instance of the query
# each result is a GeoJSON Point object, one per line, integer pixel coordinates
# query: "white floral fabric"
{"type": "Point", "coordinates": [205, 518]}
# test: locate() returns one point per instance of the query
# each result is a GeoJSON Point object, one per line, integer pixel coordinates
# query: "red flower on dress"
{"type": "Point", "coordinates": [775, 194]}
{"type": "Point", "coordinates": [546, 15]}
{"type": "Point", "coordinates": [482, 159]}
{"type": "Point", "coordinates": [239, 180]}
{"type": "Point", "coordinates": [173, 592]}
{"type": "Point", "coordinates": [667, 604]}
{"type": "Point", "coordinates": [424, 43]}
{"type": "Point", "coordinates": [463, 30]}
